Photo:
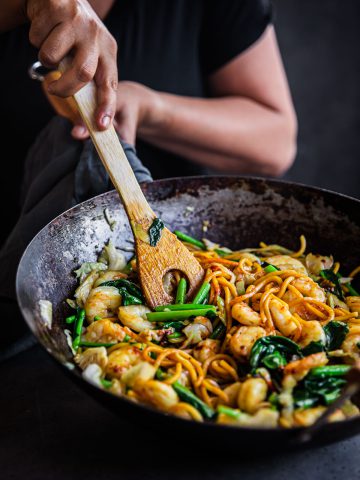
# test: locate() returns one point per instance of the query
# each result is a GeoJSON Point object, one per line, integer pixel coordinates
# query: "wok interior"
{"type": "Point", "coordinates": [241, 212]}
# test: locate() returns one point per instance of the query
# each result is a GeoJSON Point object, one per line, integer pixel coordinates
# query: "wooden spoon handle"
{"type": "Point", "coordinates": [114, 159]}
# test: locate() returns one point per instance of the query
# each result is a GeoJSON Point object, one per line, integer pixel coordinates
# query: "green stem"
{"type": "Point", "coordinates": [188, 239]}
{"type": "Point", "coordinates": [184, 306]}
{"type": "Point", "coordinates": [230, 412]}
{"type": "Point", "coordinates": [70, 319]}
{"type": "Point", "coordinates": [202, 293]}
{"type": "Point", "coordinates": [181, 291]}
{"type": "Point", "coordinates": [330, 371]}
{"type": "Point", "coordinates": [177, 315]}
{"type": "Point", "coordinates": [95, 344]}
{"type": "Point", "coordinates": [175, 335]}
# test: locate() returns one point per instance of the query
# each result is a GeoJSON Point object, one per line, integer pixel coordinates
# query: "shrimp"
{"type": "Point", "coordinates": [352, 341]}
{"type": "Point", "coordinates": [102, 302]}
{"type": "Point", "coordinates": [96, 355]}
{"type": "Point", "coordinates": [122, 359]}
{"type": "Point", "coordinates": [299, 368]}
{"type": "Point", "coordinates": [252, 394]}
{"type": "Point", "coordinates": [134, 317]}
{"type": "Point", "coordinates": [245, 314]}
{"type": "Point", "coordinates": [285, 262]}
{"type": "Point", "coordinates": [198, 330]}
{"type": "Point", "coordinates": [157, 394]}
{"type": "Point", "coordinates": [316, 263]}
{"type": "Point", "coordinates": [104, 331]}
{"type": "Point", "coordinates": [206, 349]}
{"type": "Point", "coordinates": [309, 288]}
{"type": "Point", "coordinates": [311, 331]}
{"type": "Point", "coordinates": [109, 275]}
{"type": "Point", "coordinates": [265, 417]}
{"type": "Point", "coordinates": [284, 321]}
{"type": "Point", "coordinates": [140, 372]}
{"type": "Point", "coordinates": [243, 339]}
{"type": "Point", "coordinates": [232, 392]}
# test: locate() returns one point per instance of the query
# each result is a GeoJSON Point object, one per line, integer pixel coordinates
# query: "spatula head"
{"type": "Point", "coordinates": [154, 262]}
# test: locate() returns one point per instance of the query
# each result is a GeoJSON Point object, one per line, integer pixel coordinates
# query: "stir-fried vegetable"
{"type": "Point", "coordinates": [181, 291]}
{"type": "Point", "coordinates": [268, 335]}
{"type": "Point", "coordinates": [155, 230]}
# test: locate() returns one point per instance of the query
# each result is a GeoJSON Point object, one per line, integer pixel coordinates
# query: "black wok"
{"type": "Point", "coordinates": [242, 212]}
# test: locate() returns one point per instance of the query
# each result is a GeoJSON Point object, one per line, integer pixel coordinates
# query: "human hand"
{"type": "Point", "coordinates": [137, 107]}
{"type": "Point", "coordinates": [61, 27]}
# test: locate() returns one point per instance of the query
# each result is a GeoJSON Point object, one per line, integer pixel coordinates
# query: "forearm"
{"type": "Point", "coordinates": [230, 133]}
{"type": "Point", "coordinates": [12, 14]}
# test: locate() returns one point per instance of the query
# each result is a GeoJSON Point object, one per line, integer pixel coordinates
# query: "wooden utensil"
{"type": "Point", "coordinates": [153, 262]}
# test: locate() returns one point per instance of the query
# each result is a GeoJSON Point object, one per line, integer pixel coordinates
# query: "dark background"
{"type": "Point", "coordinates": [319, 40]}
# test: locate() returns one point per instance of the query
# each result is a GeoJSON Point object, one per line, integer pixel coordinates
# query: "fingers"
{"type": "Point", "coordinates": [80, 132]}
{"type": "Point", "coordinates": [56, 46]}
{"type": "Point", "coordinates": [106, 83]}
{"type": "Point", "coordinates": [81, 72]}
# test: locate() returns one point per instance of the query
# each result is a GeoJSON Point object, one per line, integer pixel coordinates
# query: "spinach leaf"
{"type": "Point", "coordinates": [265, 347]}
{"type": "Point", "coordinates": [335, 334]}
{"type": "Point", "coordinates": [318, 390]}
{"type": "Point", "coordinates": [123, 284]}
{"type": "Point", "coordinates": [332, 277]}
{"type": "Point", "coordinates": [313, 347]}
{"type": "Point", "coordinates": [155, 231]}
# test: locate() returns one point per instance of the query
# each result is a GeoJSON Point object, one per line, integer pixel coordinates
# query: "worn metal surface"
{"type": "Point", "coordinates": [241, 211]}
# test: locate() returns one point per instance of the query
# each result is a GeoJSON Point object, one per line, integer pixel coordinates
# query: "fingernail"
{"type": "Point", "coordinates": [105, 121]}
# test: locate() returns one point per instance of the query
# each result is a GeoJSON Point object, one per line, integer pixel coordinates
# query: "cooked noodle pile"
{"type": "Point", "coordinates": [267, 340]}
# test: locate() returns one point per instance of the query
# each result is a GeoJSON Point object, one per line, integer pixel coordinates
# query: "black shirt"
{"type": "Point", "coordinates": [168, 45]}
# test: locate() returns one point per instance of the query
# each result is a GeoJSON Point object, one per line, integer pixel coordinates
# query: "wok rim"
{"type": "Point", "coordinates": [75, 375]}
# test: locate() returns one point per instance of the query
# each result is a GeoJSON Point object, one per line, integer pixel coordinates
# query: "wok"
{"type": "Point", "coordinates": [242, 212]}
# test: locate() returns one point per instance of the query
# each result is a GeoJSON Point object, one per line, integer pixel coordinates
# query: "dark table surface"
{"type": "Point", "coordinates": [51, 430]}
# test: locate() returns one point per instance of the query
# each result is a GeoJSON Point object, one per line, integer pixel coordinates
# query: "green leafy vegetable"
{"type": "Point", "coordinates": [155, 230]}
{"type": "Point", "coordinates": [321, 386]}
{"type": "Point", "coordinates": [335, 334]}
{"type": "Point", "coordinates": [274, 360]}
{"type": "Point", "coordinates": [128, 290]}
{"type": "Point", "coordinates": [219, 331]}
{"type": "Point", "coordinates": [284, 349]}
{"type": "Point", "coordinates": [187, 396]}
{"type": "Point", "coordinates": [176, 325]}
{"type": "Point", "coordinates": [332, 277]}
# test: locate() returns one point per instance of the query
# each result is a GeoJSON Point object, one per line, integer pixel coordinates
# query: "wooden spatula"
{"type": "Point", "coordinates": [153, 262]}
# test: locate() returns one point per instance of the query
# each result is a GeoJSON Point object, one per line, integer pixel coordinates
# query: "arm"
{"type": "Point", "coordinates": [250, 125]}
{"type": "Point", "coordinates": [58, 27]}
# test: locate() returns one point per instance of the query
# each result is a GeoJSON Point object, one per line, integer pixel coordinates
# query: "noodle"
{"type": "Point", "coordinates": [234, 352]}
